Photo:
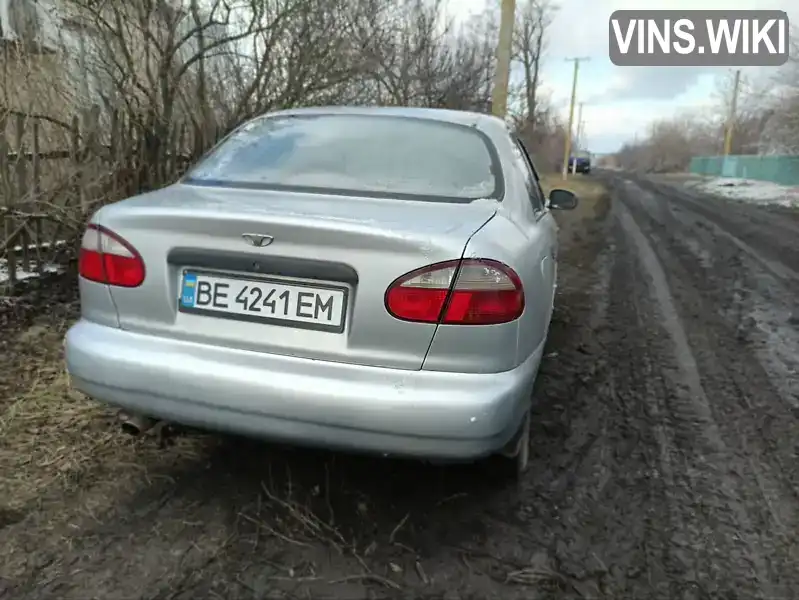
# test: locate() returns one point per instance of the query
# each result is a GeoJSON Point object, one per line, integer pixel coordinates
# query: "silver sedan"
{"type": "Point", "coordinates": [369, 279]}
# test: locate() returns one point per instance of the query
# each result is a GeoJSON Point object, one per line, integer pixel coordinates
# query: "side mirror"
{"type": "Point", "coordinates": [562, 200]}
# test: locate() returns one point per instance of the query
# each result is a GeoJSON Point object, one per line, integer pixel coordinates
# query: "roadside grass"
{"type": "Point", "coordinates": [49, 434]}
{"type": "Point", "coordinates": [593, 203]}
{"type": "Point", "coordinates": [586, 188]}
{"type": "Point", "coordinates": [53, 439]}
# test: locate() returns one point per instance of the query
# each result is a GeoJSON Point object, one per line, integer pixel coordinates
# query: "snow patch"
{"type": "Point", "coordinates": [24, 274]}
{"type": "Point", "coordinates": [749, 190]}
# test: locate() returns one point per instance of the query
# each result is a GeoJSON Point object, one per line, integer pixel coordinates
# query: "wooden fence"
{"type": "Point", "coordinates": [48, 192]}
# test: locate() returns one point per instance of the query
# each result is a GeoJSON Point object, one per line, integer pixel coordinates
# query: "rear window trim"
{"type": "Point", "coordinates": [498, 194]}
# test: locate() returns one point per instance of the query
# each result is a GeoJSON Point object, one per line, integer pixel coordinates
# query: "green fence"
{"type": "Point", "coordinates": [779, 169]}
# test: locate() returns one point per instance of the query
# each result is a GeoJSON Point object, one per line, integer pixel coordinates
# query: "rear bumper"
{"type": "Point", "coordinates": [308, 402]}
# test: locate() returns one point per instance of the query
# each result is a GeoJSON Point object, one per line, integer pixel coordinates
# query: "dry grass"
{"type": "Point", "coordinates": [48, 438]}
{"type": "Point", "coordinates": [593, 204]}
{"type": "Point", "coordinates": [591, 193]}
{"type": "Point", "coordinates": [52, 438]}
{"type": "Point", "coordinates": [49, 434]}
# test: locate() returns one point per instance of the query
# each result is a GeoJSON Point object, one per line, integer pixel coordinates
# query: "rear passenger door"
{"type": "Point", "coordinates": [542, 221]}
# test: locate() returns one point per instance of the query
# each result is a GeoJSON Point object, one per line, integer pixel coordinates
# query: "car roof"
{"type": "Point", "coordinates": [460, 117]}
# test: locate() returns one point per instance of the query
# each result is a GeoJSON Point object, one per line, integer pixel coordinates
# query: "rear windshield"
{"type": "Point", "coordinates": [355, 154]}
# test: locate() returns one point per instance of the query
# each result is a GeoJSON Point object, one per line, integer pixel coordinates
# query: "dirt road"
{"type": "Point", "coordinates": [664, 452]}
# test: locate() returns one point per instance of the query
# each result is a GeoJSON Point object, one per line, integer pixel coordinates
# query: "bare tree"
{"type": "Point", "coordinates": [414, 56]}
{"type": "Point", "coordinates": [535, 121]}
{"type": "Point", "coordinates": [671, 143]}
{"type": "Point", "coordinates": [766, 122]}
{"type": "Point", "coordinates": [780, 132]}
{"type": "Point", "coordinates": [533, 18]}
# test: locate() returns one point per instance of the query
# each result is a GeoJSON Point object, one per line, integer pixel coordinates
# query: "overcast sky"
{"type": "Point", "coordinates": [623, 101]}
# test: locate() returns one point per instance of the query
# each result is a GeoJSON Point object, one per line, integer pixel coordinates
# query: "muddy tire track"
{"type": "Point", "coordinates": [749, 401]}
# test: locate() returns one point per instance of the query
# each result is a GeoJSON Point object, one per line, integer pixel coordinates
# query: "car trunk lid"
{"type": "Point", "coordinates": [346, 250]}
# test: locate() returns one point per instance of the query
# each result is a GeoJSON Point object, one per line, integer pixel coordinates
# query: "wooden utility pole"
{"type": "Point", "coordinates": [567, 149]}
{"type": "Point", "coordinates": [578, 139]}
{"type": "Point", "coordinates": [732, 115]}
{"type": "Point", "coordinates": [499, 97]}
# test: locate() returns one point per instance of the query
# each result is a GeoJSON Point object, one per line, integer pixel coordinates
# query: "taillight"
{"type": "Point", "coordinates": [459, 292]}
{"type": "Point", "coordinates": [107, 258]}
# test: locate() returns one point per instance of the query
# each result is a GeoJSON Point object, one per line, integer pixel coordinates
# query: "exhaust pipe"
{"type": "Point", "coordinates": [134, 424]}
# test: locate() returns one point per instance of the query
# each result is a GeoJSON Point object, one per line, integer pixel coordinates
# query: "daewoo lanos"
{"type": "Point", "coordinates": [371, 279]}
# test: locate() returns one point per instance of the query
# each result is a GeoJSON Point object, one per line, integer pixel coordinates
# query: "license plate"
{"type": "Point", "coordinates": [277, 302]}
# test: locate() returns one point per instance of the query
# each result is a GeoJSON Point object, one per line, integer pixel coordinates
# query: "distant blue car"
{"type": "Point", "coordinates": [583, 164]}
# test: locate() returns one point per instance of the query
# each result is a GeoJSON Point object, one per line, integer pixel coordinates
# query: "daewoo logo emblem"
{"type": "Point", "coordinates": [259, 240]}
